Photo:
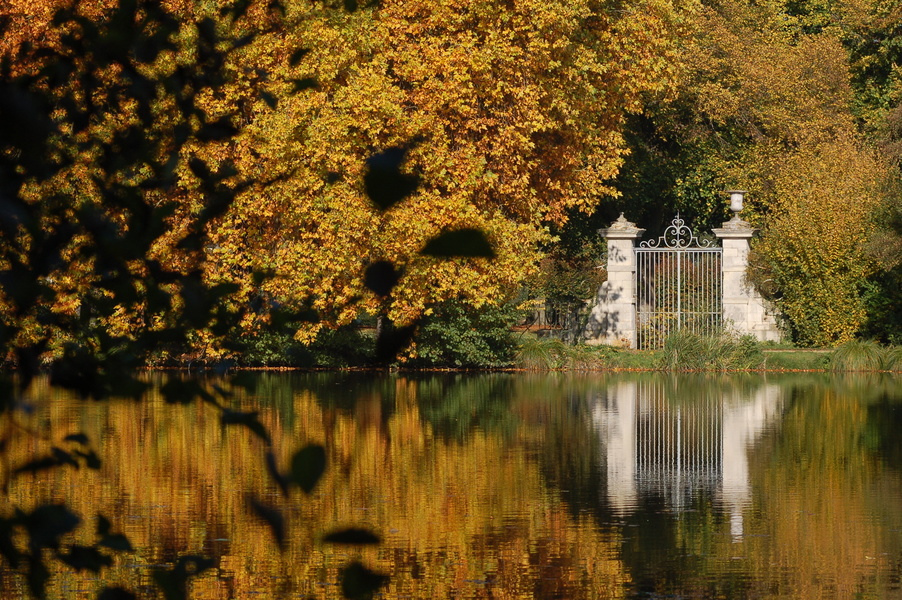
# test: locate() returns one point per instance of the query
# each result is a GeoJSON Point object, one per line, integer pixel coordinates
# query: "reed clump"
{"type": "Point", "coordinates": [686, 351]}
{"type": "Point", "coordinates": [866, 356]}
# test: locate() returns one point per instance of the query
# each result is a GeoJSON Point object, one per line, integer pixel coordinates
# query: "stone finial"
{"type": "Point", "coordinates": [621, 228]}
{"type": "Point", "coordinates": [622, 223]}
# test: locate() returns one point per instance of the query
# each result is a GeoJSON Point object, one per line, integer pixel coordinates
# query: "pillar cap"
{"type": "Point", "coordinates": [621, 229]}
{"type": "Point", "coordinates": [735, 228]}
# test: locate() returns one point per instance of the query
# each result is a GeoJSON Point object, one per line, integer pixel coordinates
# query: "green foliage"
{"type": "Point", "coordinates": [882, 297]}
{"type": "Point", "coordinates": [458, 335]}
{"type": "Point", "coordinates": [346, 346]}
{"type": "Point", "coordinates": [685, 351]}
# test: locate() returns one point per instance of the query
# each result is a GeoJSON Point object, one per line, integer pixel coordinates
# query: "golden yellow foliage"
{"type": "Point", "coordinates": [814, 251]}
{"type": "Point", "coordinates": [511, 116]}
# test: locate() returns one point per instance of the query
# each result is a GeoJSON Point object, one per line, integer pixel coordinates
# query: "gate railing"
{"type": "Point", "coordinates": [678, 286]}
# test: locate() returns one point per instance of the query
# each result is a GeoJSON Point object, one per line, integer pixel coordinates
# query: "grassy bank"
{"type": "Point", "coordinates": [688, 352]}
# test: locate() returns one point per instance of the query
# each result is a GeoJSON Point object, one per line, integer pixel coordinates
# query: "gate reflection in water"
{"type": "Point", "coordinates": [656, 445]}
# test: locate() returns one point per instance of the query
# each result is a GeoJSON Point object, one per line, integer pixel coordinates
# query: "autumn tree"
{"type": "Point", "coordinates": [507, 114]}
{"type": "Point", "coordinates": [765, 102]}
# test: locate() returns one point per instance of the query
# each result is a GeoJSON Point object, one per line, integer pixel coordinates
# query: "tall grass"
{"type": "Point", "coordinates": [539, 354]}
{"type": "Point", "coordinates": [892, 358]}
{"type": "Point", "coordinates": [866, 356]}
{"type": "Point", "coordinates": [544, 354]}
{"type": "Point", "coordinates": [685, 351]}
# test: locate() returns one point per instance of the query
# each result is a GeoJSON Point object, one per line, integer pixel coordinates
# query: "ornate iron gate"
{"type": "Point", "coordinates": [678, 284]}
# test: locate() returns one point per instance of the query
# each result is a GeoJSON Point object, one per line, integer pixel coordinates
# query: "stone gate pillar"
{"type": "Point", "coordinates": [613, 316]}
{"type": "Point", "coordinates": [744, 310]}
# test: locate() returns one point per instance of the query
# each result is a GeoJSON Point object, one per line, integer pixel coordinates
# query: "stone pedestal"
{"type": "Point", "coordinates": [612, 319]}
{"type": "Point", "coordinates": [744, 310]}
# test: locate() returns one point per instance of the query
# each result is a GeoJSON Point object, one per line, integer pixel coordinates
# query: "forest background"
{"type": "Point", "coordinates": [533, 123]}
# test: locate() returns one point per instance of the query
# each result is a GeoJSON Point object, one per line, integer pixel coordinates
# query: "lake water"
{"type": "Point", "coordinates": [493, 486]}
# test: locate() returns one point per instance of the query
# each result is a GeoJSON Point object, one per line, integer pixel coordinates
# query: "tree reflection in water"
{"type": "Point", "coordinates": [504, 486]}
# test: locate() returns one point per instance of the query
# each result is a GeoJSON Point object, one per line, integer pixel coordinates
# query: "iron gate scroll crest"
{"type": "Point", "coordinates": [678, 284]}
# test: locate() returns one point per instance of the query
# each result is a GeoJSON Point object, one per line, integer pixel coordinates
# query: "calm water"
{"type": "Point", "coordinates": [496, 486]}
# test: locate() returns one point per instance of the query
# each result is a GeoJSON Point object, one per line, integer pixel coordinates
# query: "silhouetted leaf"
{"type": "Point", "coordinates": [273, 518]}
{"type": "Point", "coordinates": [273, 470]}
{"type": "Point", "coordinates": [180, 391]}
{"type": "Point", "coordinates": [381, 277]}
{"type": "Point", "coordinates": [384, 183]}
{"type": "Point", "coordinates": [47, 523]}
{"type": "Point", "coordinates": [352, 536]}
{"type": "Point", "coordinates": [247, 419]}
{"type": "Point", "coordinates": [307, 83]}
{"type": "Point", "coordinates": [174, 582]}
{"type": "Point", "coordinates": [8, 549]}
{"type": "Point", "coordinates": [64, 457]}
{"type": "Point", "coordinates": [392, 340]}
{"type": "Point", "coordinates": [360, 583]}
{"type": "Point", "coordinates": [77, 437]}
{"type": "Point", "coordinates": [116, 541]}
{"type": "Point", "coordinates": [221, 129]}
{"type": "Point", "coordinates": [297, 56]}
{"type": "Point", "coordinates": [103, 525]}
{"type": "Point", "coordinates": [465, 242]}
{"type": "Point", "coordinates": [116, 593]}
{"type": "Point", "coordinates": [85, 558]}
{"type": "Point", "coordinates": [39, 464]}
{"type": "Point", "coordinates": [92, 461]}
{"type": "Point", "coordinates": [307, 467]}
{"type": "Point", "coordinates": [271, 101]}
{"type": "Point", "coordinates": [37, 576]}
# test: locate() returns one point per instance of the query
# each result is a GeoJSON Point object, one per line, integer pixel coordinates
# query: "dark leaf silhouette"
{"type": "Point", "coordinates": [182, 391]}
{"type": "Point", "coordinates": [392, 340]}
{"type": "Point", "coordinates": [77, 437]}
{"type": "Point", "coordinates": [307, 467]}
{"type": "Point", "coordinates": [384, 183]}
{"type": "Point", "coordinates": [246, 419]}
{"type": "Point", "coordinates": [297, 56]}
{"type": "Point", "coordinates": [39, 464]}
{"type": "Point", "coordinates": [46, 524]}
{"type": "Point", "coordinates": [174, 582]}
{"type": "Point", "coordinates": [360, 583]}
{"type": "Point", "coordinates": [308, 83]}
{"type": "Point", "coordinates": [352, 536]}
{"type": "Point", "coordinates": [85, 558]}
{"type": "Point", "coordinates": [273, 470]}
{"type": "Point", "coordinates": [116, 593]}
{"type": "Point", "coordinates": [466, 242]}
{"type": "Point", "coordinates": [381, 277]}
{"type": "Point", "coordinates": [220, 129]}
{"type": "Point", "coordinates": [273, 518]}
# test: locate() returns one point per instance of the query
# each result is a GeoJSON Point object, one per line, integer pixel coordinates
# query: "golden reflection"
{"type": "Point", "coordinates": [469, 519]}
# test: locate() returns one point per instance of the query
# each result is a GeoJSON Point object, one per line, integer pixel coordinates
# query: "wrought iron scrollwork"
{"type": "Point", "coordinates": [678, 236]}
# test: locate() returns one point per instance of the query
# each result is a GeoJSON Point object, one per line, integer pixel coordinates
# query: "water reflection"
{"type": "Point", "coordinates": [659, 440]}
{"type": "Point", "coordinates": [498, 486]}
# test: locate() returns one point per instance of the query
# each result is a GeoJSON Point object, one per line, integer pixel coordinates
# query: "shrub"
{"type": "Point", "coordinates": [459, 335]}
{"type": "Point", "coordinates": [342, 347]}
